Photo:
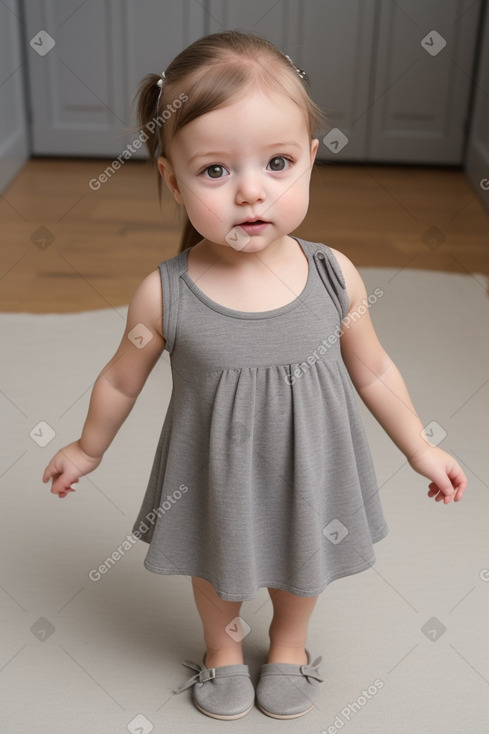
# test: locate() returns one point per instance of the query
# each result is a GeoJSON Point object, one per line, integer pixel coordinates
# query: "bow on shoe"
{"type": "Point", "coordinates": [202, 676]}
{"type": "Point", "coordinates": [311, 671]}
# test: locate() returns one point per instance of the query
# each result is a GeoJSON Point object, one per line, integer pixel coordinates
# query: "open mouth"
{"type": "Point", "coordinates": [255, 227]}
{"type": "Point", "coordinates": [256, 221]}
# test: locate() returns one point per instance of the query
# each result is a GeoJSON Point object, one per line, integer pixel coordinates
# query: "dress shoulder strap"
{"type": "Point", "coordinates": [170, 271]}
{"type": "Point", "coordinates": [332, 276]}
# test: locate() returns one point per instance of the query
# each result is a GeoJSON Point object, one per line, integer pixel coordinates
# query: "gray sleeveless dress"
{"type": "Point", "coordinates": [262, 474]}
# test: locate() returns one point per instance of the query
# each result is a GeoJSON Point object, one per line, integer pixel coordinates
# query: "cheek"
{"type": "Point", "coordinates": [204, 206]}
{"type": "Point", "coordinates": [207, 209]}
{"type": "Point", "coordinates": [296, 200]}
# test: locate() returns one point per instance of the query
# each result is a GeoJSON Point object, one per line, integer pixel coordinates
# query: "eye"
{"type": "Point", "coordinates": [278, 163]}
{"type": "Point", "coordinates": [214, 171]}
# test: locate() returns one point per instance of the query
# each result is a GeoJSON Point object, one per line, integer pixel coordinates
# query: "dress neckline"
{"type": "Point", "coordinates": [246, 314]}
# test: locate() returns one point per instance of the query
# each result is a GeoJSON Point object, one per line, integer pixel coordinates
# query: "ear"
{"type": "Point", "coordinates": [314, 149]}
{"type": "Point", "coordinates": [168, 174]}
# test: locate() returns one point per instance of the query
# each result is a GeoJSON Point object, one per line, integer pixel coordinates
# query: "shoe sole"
{"type": "Point", "coordinates": [223, 717]}
{"type": "Point", "coordinates": [285, 716]}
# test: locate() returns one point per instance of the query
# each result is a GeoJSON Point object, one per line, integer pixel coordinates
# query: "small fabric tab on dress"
{"type": "Point", "coordinates": [170, 280]}
{"type": "Point", "coordinates": [330, 280]}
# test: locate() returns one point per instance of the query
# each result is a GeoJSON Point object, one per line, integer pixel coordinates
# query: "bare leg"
{"type": "Point", "coordinates": [215, 614]}
{"type": "Point", "coordinates": [288, 629]}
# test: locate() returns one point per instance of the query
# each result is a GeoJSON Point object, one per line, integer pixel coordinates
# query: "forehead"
{"type": "Point", "coordinates": [255, 117]}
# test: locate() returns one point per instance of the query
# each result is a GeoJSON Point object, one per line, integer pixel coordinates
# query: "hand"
{"type": "Point", "coordinates": [448, 479]}
{"type": "Point", "coordinates": [67, 466]}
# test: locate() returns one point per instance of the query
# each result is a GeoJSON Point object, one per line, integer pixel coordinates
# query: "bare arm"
{"type": "Point", "coordinates": [381, 387]}
{"type": "Point", "coordinates": [116, 389]}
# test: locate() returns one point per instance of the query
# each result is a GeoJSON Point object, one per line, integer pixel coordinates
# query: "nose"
{"type": "Point", "coordinates": [250, 188]}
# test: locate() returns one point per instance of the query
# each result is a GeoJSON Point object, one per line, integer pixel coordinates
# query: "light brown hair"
{"type": "Point", "coordinates": [208, 74]}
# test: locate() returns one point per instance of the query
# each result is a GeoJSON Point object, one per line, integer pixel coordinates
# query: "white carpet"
{"type": "Point", "coordinates": [83, 656]}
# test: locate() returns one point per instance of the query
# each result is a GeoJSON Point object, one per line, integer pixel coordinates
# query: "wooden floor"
{"type": "Point", "coordinates": [65, 247]}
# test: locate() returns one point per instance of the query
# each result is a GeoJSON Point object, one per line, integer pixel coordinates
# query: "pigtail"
{"type": "Point", "coordinates": [190, 236]}
{"type": "Point", "coordinates": [147, 95]}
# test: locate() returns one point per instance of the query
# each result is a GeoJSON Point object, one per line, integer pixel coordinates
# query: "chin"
{"type": "Point", "coordinates": [256, 246]}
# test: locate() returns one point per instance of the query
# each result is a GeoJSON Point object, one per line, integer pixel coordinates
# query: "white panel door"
{"type": "Point", "coordinates": [331, 40]}
{"type": "Point", "coordinates": [85, 61]}
{"type": "Point", "coordinates": [423, 74]}
{"type": "Point", "coordinates": [477, 162]}
{"type": "Point", "coordinates": [390, 87]}
{"type": "Point", "coordinates": [153, 38]}
{"type": "Point", "coordinates": [267, 18]}
{"type": "Point", "coordinates": [333, 43]}
{"type": "Point", "coordinates": [14, 144]}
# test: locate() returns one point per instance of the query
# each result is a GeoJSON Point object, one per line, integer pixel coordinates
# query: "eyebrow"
{"type": "Point", "coordinates": [219, 153]}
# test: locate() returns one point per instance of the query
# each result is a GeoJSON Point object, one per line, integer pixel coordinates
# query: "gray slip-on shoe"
{"type": "Point", "coordinates": [287, 691]}
{"type": "Point", "coordinates": [224, 693]}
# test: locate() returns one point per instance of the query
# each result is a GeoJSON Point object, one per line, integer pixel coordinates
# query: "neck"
{"type": "Point", "coordinates": [232, 258]}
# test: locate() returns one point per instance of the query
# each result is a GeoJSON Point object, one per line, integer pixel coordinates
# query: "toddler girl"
{"type": "Point", "coordinates": [262, 475]}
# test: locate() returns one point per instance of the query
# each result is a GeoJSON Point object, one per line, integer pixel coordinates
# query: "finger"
{"type": "Point", "coordinates": [434, 491]}
{"type": "Point", "coordinates": [440, 494]}
{"type": "Point", "coordinates": [49, 472]}
{"type": "Point", "coordinates": [456, 491]}
{"type": "Point", "coordinates": [441, 497]}
{"type": "Point", "coordinates": [63, 492]}
{"type": "Point", "coordinates": [460, 492]}
{"type": "Point", "coordinates": [444, 484]}
{"type": "Point", "coordinates": [459, 481]}
{"type": "Point", "coordinates": [67, 490]}
{"type": "Point", "coordinates": [446, 494]}
{"type": "Point", "coordinates": [62, 484]}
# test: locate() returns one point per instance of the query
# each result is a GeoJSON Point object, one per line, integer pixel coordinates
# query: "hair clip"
{"type": "Point", "coordinates": [301, 72]}
{"type": "Point", "coordinates": [159, 84]}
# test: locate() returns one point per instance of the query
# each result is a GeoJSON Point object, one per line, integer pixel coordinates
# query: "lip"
{"type": "Point", "coordinates": [252, 220]}
{"type": "Point", "coordinates": [253, 227]}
